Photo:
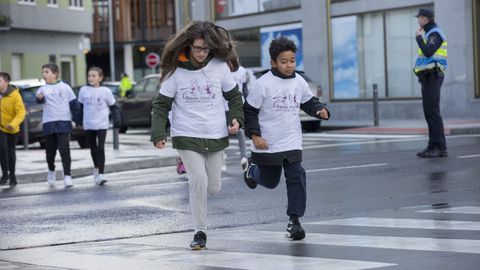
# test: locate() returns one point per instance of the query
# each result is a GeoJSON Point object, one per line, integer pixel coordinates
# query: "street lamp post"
{"type": "Point", "coordinates": [112, 62]}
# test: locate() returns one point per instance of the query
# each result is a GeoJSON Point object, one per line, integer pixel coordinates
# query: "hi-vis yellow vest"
{"type": "Point", "coordinates": [438, 59]}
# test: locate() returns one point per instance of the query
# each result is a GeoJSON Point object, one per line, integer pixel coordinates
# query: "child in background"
{"type": "Point", "coordinates": [240, 77]}
{"type": "Point", "coordinates": [12, 114]}
{"type": "Point", "coordinates": [59, 106]}
{"type": "Point", "coordinates": [96, 102]}
{"type": "Point", "coordinates": [273, 123]}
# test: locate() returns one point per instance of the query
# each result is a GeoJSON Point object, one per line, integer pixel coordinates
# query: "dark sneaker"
{"type": "Point", "coordinates": [433, 153]}
{"type": "Point", "coordinates": [295, 230]}
{"type": "Point", "coordinates": [13, 180]}
{"type": "Point", "coordinates": [4, 180]}
{"type": "Point", "coordinates": [424, 152]}
{"type": "Point", "coordinates": [246, 175]}
{"type": "Point", "coordinates": [199, 241]}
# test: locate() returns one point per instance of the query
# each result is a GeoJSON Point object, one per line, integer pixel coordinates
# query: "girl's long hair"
{"type": "Point", "coordinates": [217, 38]}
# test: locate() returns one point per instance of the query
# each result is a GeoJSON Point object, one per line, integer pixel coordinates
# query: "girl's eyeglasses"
{"type": "Point", "coordinates": [199, 49]}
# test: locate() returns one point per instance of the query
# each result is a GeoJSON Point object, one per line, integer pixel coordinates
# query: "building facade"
{"type": "Point", "coordinates": [140, 27]}
{"type": "Point", "coordinates": [348, 46]}
{"type": "Point", "coordinates": [41, 31]}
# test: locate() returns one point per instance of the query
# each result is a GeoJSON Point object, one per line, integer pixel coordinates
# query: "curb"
{"type": "Point", "coordinates": [109, 168]}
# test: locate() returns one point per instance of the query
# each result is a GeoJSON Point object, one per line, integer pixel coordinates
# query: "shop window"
{"type": "Point", "coordinates": [28, 2]}
{"type": "Point", "coordinates": [375, 48]}
{"type": "Point", "coordinates": [229, 8]}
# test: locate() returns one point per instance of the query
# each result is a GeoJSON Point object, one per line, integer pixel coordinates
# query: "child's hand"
{"type": "Point", "coordinates": [160, 144]}
{"type": "Point", "coordinates": [234, 127]}
{"type": "Point", "coordinates": [10, 128]}
{"type": "Point", "coordinates": [323, 113]}
{"type": "Point", "coordinates": [259, 142]}
{"type": "Point", "coordinates": [40, 96]}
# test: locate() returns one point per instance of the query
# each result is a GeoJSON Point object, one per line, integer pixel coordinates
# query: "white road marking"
{"type": "Point", "coordinates": [469, 156]}
{"type": "Point", "coordinates": [370, 241]}
{"type": "Point", "coordinates": [455, 210]}
{"type": "Point", "coordinates": [348, 167]}
{"type": "Point", "coordinates": [361, 136]}
{"type": "Point", "coordinates": [404, 223]}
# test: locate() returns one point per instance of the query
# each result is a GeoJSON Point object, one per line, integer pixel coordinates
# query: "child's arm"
{"type": "Point", "coordinates": [40, 97]}
{"type": "Point", "coordinates": [252, 127]}
{"type": "Point", "coordinates": [315, 108]}
{"type": "Point", "coordinates": [161, 106]}
{"type": "Point", "coordinates": [235, 104]}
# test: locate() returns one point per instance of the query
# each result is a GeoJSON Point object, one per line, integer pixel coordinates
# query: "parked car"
{"type": "Point", "coordinates": [136, 107]}
{"type": "Point", "coordinates": [308, 123]}
{"type": "Point", "coordinates": [28, 90]}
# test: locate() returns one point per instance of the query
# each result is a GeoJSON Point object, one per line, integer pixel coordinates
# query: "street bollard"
{"type": "Point", "coordinates": [375, 105]}
{"type": "Point", "coordinates": [25, 132]}
{"type": "Point", "coordinates": [115, 138]}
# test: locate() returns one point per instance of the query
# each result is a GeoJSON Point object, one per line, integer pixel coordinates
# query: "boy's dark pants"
{"type": "Point", "coordinates": [62, 142]}
{"type": "Point", "coordinates": [8, 142]}
{"type": "Point", "coordinates": [269, 177]}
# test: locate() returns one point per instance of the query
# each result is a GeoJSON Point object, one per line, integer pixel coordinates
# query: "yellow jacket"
{"type": "Point", "coordinates": [12, 110]}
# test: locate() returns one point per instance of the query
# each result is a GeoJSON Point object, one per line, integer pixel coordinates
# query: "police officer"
{"type": "Point", "coordinates": [430, 67]}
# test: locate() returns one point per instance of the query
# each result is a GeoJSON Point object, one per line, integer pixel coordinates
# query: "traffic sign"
{"type": "Point", "coordinates": [152, 60]}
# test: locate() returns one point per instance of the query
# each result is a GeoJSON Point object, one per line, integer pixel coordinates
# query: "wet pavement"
{"type": "Point", "coordinates": [371, 205]}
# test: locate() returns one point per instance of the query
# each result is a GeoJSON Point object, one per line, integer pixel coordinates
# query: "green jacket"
{"type": "Point", "coordinates": [163, 104]}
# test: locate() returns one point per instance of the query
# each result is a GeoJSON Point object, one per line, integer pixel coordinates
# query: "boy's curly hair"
{"type": "Point", "coordinates": [279, 45]}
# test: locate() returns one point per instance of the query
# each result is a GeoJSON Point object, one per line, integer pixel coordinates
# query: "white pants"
{"type": "Point", "coordinates": [204, 178]}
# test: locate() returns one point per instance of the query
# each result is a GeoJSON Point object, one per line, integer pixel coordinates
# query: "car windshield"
{"type": "Point", "coordinates": [28, 95]}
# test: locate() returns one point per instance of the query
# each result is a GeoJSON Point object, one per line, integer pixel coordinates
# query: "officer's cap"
{"type": "Point", "coordinates": [425, 13]}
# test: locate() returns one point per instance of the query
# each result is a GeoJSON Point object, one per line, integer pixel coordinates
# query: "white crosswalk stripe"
{"type": "Point", "coordinates": [371, 241]}
{"type": "Point", "coordinates": [243, 260]}
{"type": "Point", "coordinates": [404, 223]}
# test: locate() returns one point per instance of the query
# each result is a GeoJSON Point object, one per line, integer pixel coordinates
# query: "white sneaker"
{"type": "Point", "coordinates": [95, 174]}
{"type": "Point", "coordinates": [67, 181]}
{"type": "Point", "coordinates": [99, 180]}
{"type": "Point", "coordinates": [244, 163]}
{"type": "Point", "coordinates": [51, 178]}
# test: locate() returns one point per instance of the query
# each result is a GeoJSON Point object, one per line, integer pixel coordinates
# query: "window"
{"type": "Point", "coordinates": [27, 2]}
{"type": "Point", "coordinates": [375, 48]}
{"type": "Point", "coordinates": [52, 3]}
{"type": "Point", "coordinates": [76, 4]}
{"type": "Point", "coordinates": [476, 36]}
{"type": "Point", "coordinates": [228, 8]}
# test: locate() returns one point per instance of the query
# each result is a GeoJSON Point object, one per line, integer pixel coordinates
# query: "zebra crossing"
{"type": "Point", "coordinates": [421, 237]}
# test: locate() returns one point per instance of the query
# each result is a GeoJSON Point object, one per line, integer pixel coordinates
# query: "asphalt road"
{"type": "Point", "coordinates": [348, 177]}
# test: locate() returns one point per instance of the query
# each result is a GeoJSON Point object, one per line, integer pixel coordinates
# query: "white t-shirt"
{"type": "Point", "coordinates": [57, 102]}
{"type": "Point", "coordinates": [197, 109]}
{"type": "Point", "coordinates": [278, 101]}
{"type": "Point", "coordinates": [96, 102]}
{"type": "Point", "coordinates": [240, 77]}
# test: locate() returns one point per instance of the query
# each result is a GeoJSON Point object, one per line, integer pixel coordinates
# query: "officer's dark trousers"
{"type": "Point", "coordinates": [269, 177]}
{"type": "Point", "coordinates": [431, 83]}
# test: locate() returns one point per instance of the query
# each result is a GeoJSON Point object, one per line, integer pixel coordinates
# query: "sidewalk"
{"type": "Point", "coordinates": [404, 127]}
{"type": "Point", "coordinates": [137, 152]}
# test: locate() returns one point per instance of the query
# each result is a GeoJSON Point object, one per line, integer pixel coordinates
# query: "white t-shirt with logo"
{"type": "Point", "coordinates": [197, 109]}
{"type": "Point", "coordinates": [96, 102]}
{"type": "Point", "coordinates": [57, 102]}
{"type": "Point", "coordinates": [278, 101]}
